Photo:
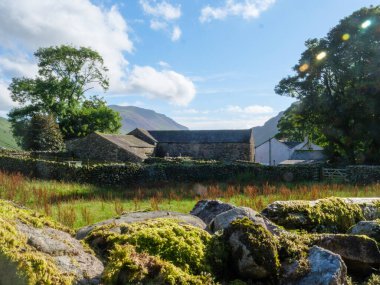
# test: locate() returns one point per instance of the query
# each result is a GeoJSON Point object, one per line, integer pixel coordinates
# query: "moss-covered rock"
{"type": "Point", "coordinates": [127, 266]}
{"type": "Point", "coordinates": [368, 228]}
{"type": "Point", "coordinates": [36, 250]}
{"type": "Point", "coordinates": [331, 215]}
{"type": "Point", "coordinates": [182, 245]}
{"type": "Point", "coordinates": [245, 251]}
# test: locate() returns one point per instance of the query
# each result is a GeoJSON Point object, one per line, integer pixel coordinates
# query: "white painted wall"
{"type": "Point", "coordinates": [279, 152]}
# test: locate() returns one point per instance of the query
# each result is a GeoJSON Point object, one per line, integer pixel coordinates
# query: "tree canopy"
{"type": "Point", "coordinates": [65, 74]}
{"type": "Point", "coordinates": [337, 83]}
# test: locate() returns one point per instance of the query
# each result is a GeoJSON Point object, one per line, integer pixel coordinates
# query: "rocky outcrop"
{"type": "Point", "coordinates": [326, 268]}
{"type": "Point", "coordinates": [332, 215]}
{"type": "Point", "coordinates": [128, 218]}
{"type": "Point", "coordinates": [361, 254]}
{"type": "Point", "coordinates": [368, 228]}
{"type": "Point", "coordinates": [207, 210]}
{"type": "Point", "coordinates": [36, 250]}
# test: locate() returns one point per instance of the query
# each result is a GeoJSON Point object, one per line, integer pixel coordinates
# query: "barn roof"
{"type": "Point", "coordinates": [125, 141]}
{"type": "Point", "coordinates": [291, 144]}
{"type": "Point", "coordinates": [203, 136]}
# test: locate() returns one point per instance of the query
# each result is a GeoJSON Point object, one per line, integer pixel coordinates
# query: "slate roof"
{"type": "Point", "coordinates": [143, 135]}
{"type": "Point", "coordinates": [126, 141]}
{"type": "Point", "coordinates": [203, 136]}
{"type": "Point", "coordinates": [291, 144]}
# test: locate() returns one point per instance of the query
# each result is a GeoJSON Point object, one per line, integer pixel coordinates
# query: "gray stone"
{"type": "Point", "coordinates": [127, 218]}
{"type": "Point", "coordinates": [369, 206]}
{"type": "Point", "coordinates": [361, 254]}
{"type": "Point", "coordinates": [223, 220]}
{"type": "Point", "coordinates": [207, 210]}
{"type": "Point", "coordinates": [326, 268]}
{"type": "Point", "coordinates": [368, 228]}
{"type": "Point", "coordinates": [68, 254]}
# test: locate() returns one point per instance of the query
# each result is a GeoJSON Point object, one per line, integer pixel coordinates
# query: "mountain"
{"type": "Point", "coordinates": [135, 117]}
{"type": "Point", "coordinates": [6, 137]}
{"type": "Point", "coordinates": [268, 130]}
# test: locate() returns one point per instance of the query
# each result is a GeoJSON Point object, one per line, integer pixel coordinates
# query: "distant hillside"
{"type": "Point", "coordinates": [268, 130]}
{"type": "Point", "coordinates": [135, 117]}
{"type": "Point", "coordinates": [6, 137]}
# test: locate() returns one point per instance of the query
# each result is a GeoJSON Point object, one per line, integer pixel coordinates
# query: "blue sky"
{"type": "Point", "coordinates": [206, 63]}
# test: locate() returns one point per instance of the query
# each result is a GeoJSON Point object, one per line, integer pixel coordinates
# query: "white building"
{"type": "Point", "coordinates": [273, 151]}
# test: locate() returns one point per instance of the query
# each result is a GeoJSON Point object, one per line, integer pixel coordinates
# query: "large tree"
{"type": "Point", "coordinates": [337, 83]}
{"type": "Point", "coordinates": [65, 74]}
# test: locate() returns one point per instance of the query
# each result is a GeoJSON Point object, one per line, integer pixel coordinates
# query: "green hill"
{"type": "Point", "coordinates": [135, 117]}
{"type": "Point", "coordinates": [6, 137]}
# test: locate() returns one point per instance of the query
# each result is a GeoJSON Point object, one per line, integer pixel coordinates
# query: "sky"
{"type": "Point", "coordinates": [208, 64]}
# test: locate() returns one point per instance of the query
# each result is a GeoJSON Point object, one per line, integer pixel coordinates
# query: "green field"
{"type": "Point", "coordinates": [6, 137]}
{"type": "Point", "coordinates": [77, 205]}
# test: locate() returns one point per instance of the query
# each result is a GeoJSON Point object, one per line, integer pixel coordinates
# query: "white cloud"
{"type": "Point", "coordinates": [158, 25]}
{"type": "Point", "coordinates": [176, 34]}
{"type": "Point", "coordinates": [247, 9]}
{"type": "Point", "coordinates": [164, 15]}
{"type": "Point", "coordinates": [165, 84]}
{"type": "Point", "coordinates": [26, 25]}
{"type": "Point", "coordinates": [6, 102]}
{"type": "Point", "coordinates": [162, 9]}
{"type": "Point", "coordinates": [164, 64]}
{"type": "Point", "coordinates": [253, 109]}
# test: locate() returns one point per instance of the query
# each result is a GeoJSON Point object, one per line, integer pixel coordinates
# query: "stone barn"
{"type": "Point", "coordinates": [109, 147]}
{"type": "Point", "coordinates": [225, 145]}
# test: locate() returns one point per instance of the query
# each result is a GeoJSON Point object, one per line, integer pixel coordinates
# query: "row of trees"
{"type": "Point", "coordinates": [54, 105]}
{"type": "Point", "coordinates": [337, 85]}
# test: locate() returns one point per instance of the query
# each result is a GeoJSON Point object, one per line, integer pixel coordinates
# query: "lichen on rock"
{"type": "Point", "coordinates": [36, 250]}
{"type": "Point", "coordinates": [177, 246]}
{"type": "Point", "coordinates": [330, 215]}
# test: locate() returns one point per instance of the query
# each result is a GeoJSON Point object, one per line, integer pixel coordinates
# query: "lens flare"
{"type": "Point", "coordinates": [303, 67]}
{"type": "Point", "coordinates": [366, 24]}
{"type": "Point", "coordinates": [346, 37]}
{"type": "Point", "coordinates": [321, 55]}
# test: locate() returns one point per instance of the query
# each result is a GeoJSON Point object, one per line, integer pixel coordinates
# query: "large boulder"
{"type": "Point", "coordinates": [361, 254]}
{"type": "Point", "coordinates": [368, 228]}
{"type": "Point", "coordinates": [128, 218]}
{"type": "Point", "coordinates": [326, 268]}
{"type": "Point", "coordinates": [370, 206]}
{"type": "Point", "coordinates": [331, 215]}
{"type": "Point", "coordinates": [207, 210]}
{"type": "Point", "coordinates": [36, 250]}
{"type": "Point", "coordinates": [223, 220]}
{"type": "Point", "coordinates": [245, 251]}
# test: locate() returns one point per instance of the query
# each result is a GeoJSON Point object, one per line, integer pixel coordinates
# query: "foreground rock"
{"type": "Point", "coordinates": [128, 218]}
{"type": "Point", "coordinates": [152, 250]}
{"type": "Point", "coordinates": [207, 210]}
{"type": "Point", "coordinates": [223, 220]}
{"type": "Point", "coordinates": [361, 254]}
{"type": "Point", "coordinates": [35, 250]}
{"type": "Point", "coordinates": [246, 251]}
{"type": "Point", "coordinates": [368, 228]}
{"type": "Point", "coordinates": [332, 215]}
{"type": "Point", "coordinates": [326, 268]}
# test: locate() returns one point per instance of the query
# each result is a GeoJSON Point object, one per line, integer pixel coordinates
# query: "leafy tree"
{"type": "Point", "coordinates": [294, 127]}
{"type": "Point", "coordinates": [337, 83]}
{"type": "Point", "coordinates": [65, 74]}
{"type": "Point", "coordinates": [43, 134]}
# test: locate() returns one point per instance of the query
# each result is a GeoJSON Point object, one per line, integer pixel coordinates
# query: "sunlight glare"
{"type": "Point", "coordinates": [304, 67]}
{"type": "Point", "coordinates": [321, 55]}
{"type": "Point", "coordinates": [346, 37]}
{"type": "Point", "coordinates": [366, 24]}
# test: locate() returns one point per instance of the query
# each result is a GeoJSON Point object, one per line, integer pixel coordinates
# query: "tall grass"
{"type": "Point", "coordinates": [76, 205]}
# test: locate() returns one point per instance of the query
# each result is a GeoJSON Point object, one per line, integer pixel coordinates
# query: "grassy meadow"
{"type": "Point", "coordinates": [77, 205]}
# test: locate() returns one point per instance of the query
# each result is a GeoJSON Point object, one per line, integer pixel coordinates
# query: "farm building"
{"type": "Point", "coordinates": [106, 147]}
{"type": "Point", "coordinates": [274, 152]}
{"type": "Point", "coordinates": [225, 145]}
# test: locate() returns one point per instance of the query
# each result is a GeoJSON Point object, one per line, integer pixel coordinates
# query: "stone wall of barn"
{"type": "Point", "coordinates": [95, 148]}
{"type": "Point", "coordinates": [215, 151]}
